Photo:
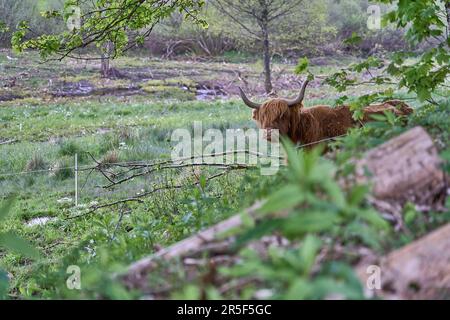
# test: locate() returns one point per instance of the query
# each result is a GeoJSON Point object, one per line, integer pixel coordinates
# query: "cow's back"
{"type": "Point", "coordinates": [333, 121]}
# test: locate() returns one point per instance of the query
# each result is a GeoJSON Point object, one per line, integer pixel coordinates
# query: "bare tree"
{"type": "Point", "coordinates": [258, 18]}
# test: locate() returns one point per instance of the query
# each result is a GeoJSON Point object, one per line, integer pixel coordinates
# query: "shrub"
{"type": "Point", "coordinates": [69, 148]}
{"type": "Point", "coordinates": [110, 157]}
{"type": "Point", "coordinates": [63, 168]}
{"type": "Point", "coordinates": [36, 162]}
{"type": "Point", "coordinates": [109, 142]}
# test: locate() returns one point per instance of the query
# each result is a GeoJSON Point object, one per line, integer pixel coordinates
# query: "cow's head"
{"type": "Point", "coordinates": [281, 114]}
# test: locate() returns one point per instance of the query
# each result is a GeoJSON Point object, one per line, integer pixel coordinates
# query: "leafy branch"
{"type": "Point", "coordinates": [104, 21]}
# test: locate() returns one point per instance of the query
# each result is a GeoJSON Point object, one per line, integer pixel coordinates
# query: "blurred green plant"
{"type": "Point", "coordinates": [12, 242]}
{"type": "Point", "coordinates": [319, 214]}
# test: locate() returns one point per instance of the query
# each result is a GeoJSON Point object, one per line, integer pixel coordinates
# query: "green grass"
{"type": "Point", "coordinates": [136, 130]}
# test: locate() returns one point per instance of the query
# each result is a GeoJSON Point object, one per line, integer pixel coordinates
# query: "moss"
{"type": "Point", "coordinates": [78, 78]}
{"type": "Point", "coordinates": [165, 91]}
{"type": "Point", "coordinates": [155, 83]}
{"type": "Point", "coordinates": [176, 88]}
{"type": "Point", "coordinates": [98, 81]}
{"type": "Point", "coordinates": [9, 94]}
{"type": "Point", "coordinates": [179, 82]}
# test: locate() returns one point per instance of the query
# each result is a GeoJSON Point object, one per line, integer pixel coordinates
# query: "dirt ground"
{"type": "Point", "coordinates": [26, 76]}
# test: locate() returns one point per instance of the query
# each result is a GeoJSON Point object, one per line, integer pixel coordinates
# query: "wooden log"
{"type": "Point", "coordinates": [419, 270]}
{"type": "Point", "coordinates": [405, 168]}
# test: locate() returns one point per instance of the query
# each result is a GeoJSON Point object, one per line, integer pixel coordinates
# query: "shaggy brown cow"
{"type": "Point", "coordinates": [309, 125]}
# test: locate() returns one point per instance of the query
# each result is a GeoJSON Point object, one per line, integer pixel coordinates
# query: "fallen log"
{"type": "Point", "coordinates": [405, 168]}
{"type": "Point", "coordinates": [419, 270]}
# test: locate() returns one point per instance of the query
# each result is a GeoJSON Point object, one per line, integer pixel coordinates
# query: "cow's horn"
{"type": "Point", "coordinates": [300, 97]}
{"type": "Point", "coordinates": [247, 101]}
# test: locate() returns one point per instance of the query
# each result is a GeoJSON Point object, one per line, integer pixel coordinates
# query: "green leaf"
{"type": "Point", "coordinates": [327, 286]}
{"type": "Point", "coordinates": [340, 278]}
{"type": "Point", "coordinates": [299, 289]}
{"type": "Point", "coordinates": [13, 242]}
{"type": "Point", "coordinates": [374, 218]}
{"type": "Point", "coordinates": [190, 292]}
{"type": "Point", "coordinates": [390, 117]}
{"type": "Point", "coordinates": [308, 252]}
{"type": "Point", "coordinates": [300, 223]}
{"type": "Point", "coordinates": [301, 66]}
{"type": "Point", "coordinates": [260, 230]}
{"type": "Point", "coordinates": [335, 192]}
{"type": "Point", "coordinates": [354, 39]}
{"type": "Point", "coordinates": [285, 198]}
{"type": "Point", "coordinates": [202, 181]}
{"type": "Point", "coordinates": [423, 94]}
{"type": "Point", "coordinates": [361, 231]}
{"type": "Point", "coordinates": [378, 117]}
{"type": "Point", "coordinates": [357, 194]}
{"type": "Point", "coordinates": [293, 157]}
{"type": "Point", "coordinates": [410, 216]}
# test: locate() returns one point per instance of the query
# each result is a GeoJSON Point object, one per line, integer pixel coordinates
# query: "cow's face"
{"type": "Point", "coordinates": [274, 114]}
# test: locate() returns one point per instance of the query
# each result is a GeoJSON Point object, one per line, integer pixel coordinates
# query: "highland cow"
{"type": "Point", "coordinates": [310, 125]}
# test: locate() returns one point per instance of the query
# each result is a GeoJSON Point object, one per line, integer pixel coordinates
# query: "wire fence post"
{"type": "Point", "coordinates": [76, 179]}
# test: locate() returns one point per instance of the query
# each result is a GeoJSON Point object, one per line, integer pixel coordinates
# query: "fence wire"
{"type": "Point", "coordinates": [144, 163]}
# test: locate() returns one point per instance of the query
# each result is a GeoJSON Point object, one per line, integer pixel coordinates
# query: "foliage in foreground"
{"type": "Point", "coordinates": [11, 241]}
{"type": "Point", "coordinates": [321, 215]}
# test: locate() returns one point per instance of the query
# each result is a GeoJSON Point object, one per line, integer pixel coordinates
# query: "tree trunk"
{"type": "Point", "coordinates": [105, 65]}
{"type": "Point", "coordinates": [264, 23]}
{"type": "Point", "coordinates": [266, 58]}
{"type": "Point", "coordinates": [447, 10]}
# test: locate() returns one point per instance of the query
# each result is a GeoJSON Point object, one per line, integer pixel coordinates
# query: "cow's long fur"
{"type": "Point", "coordinates": [309, 125]}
